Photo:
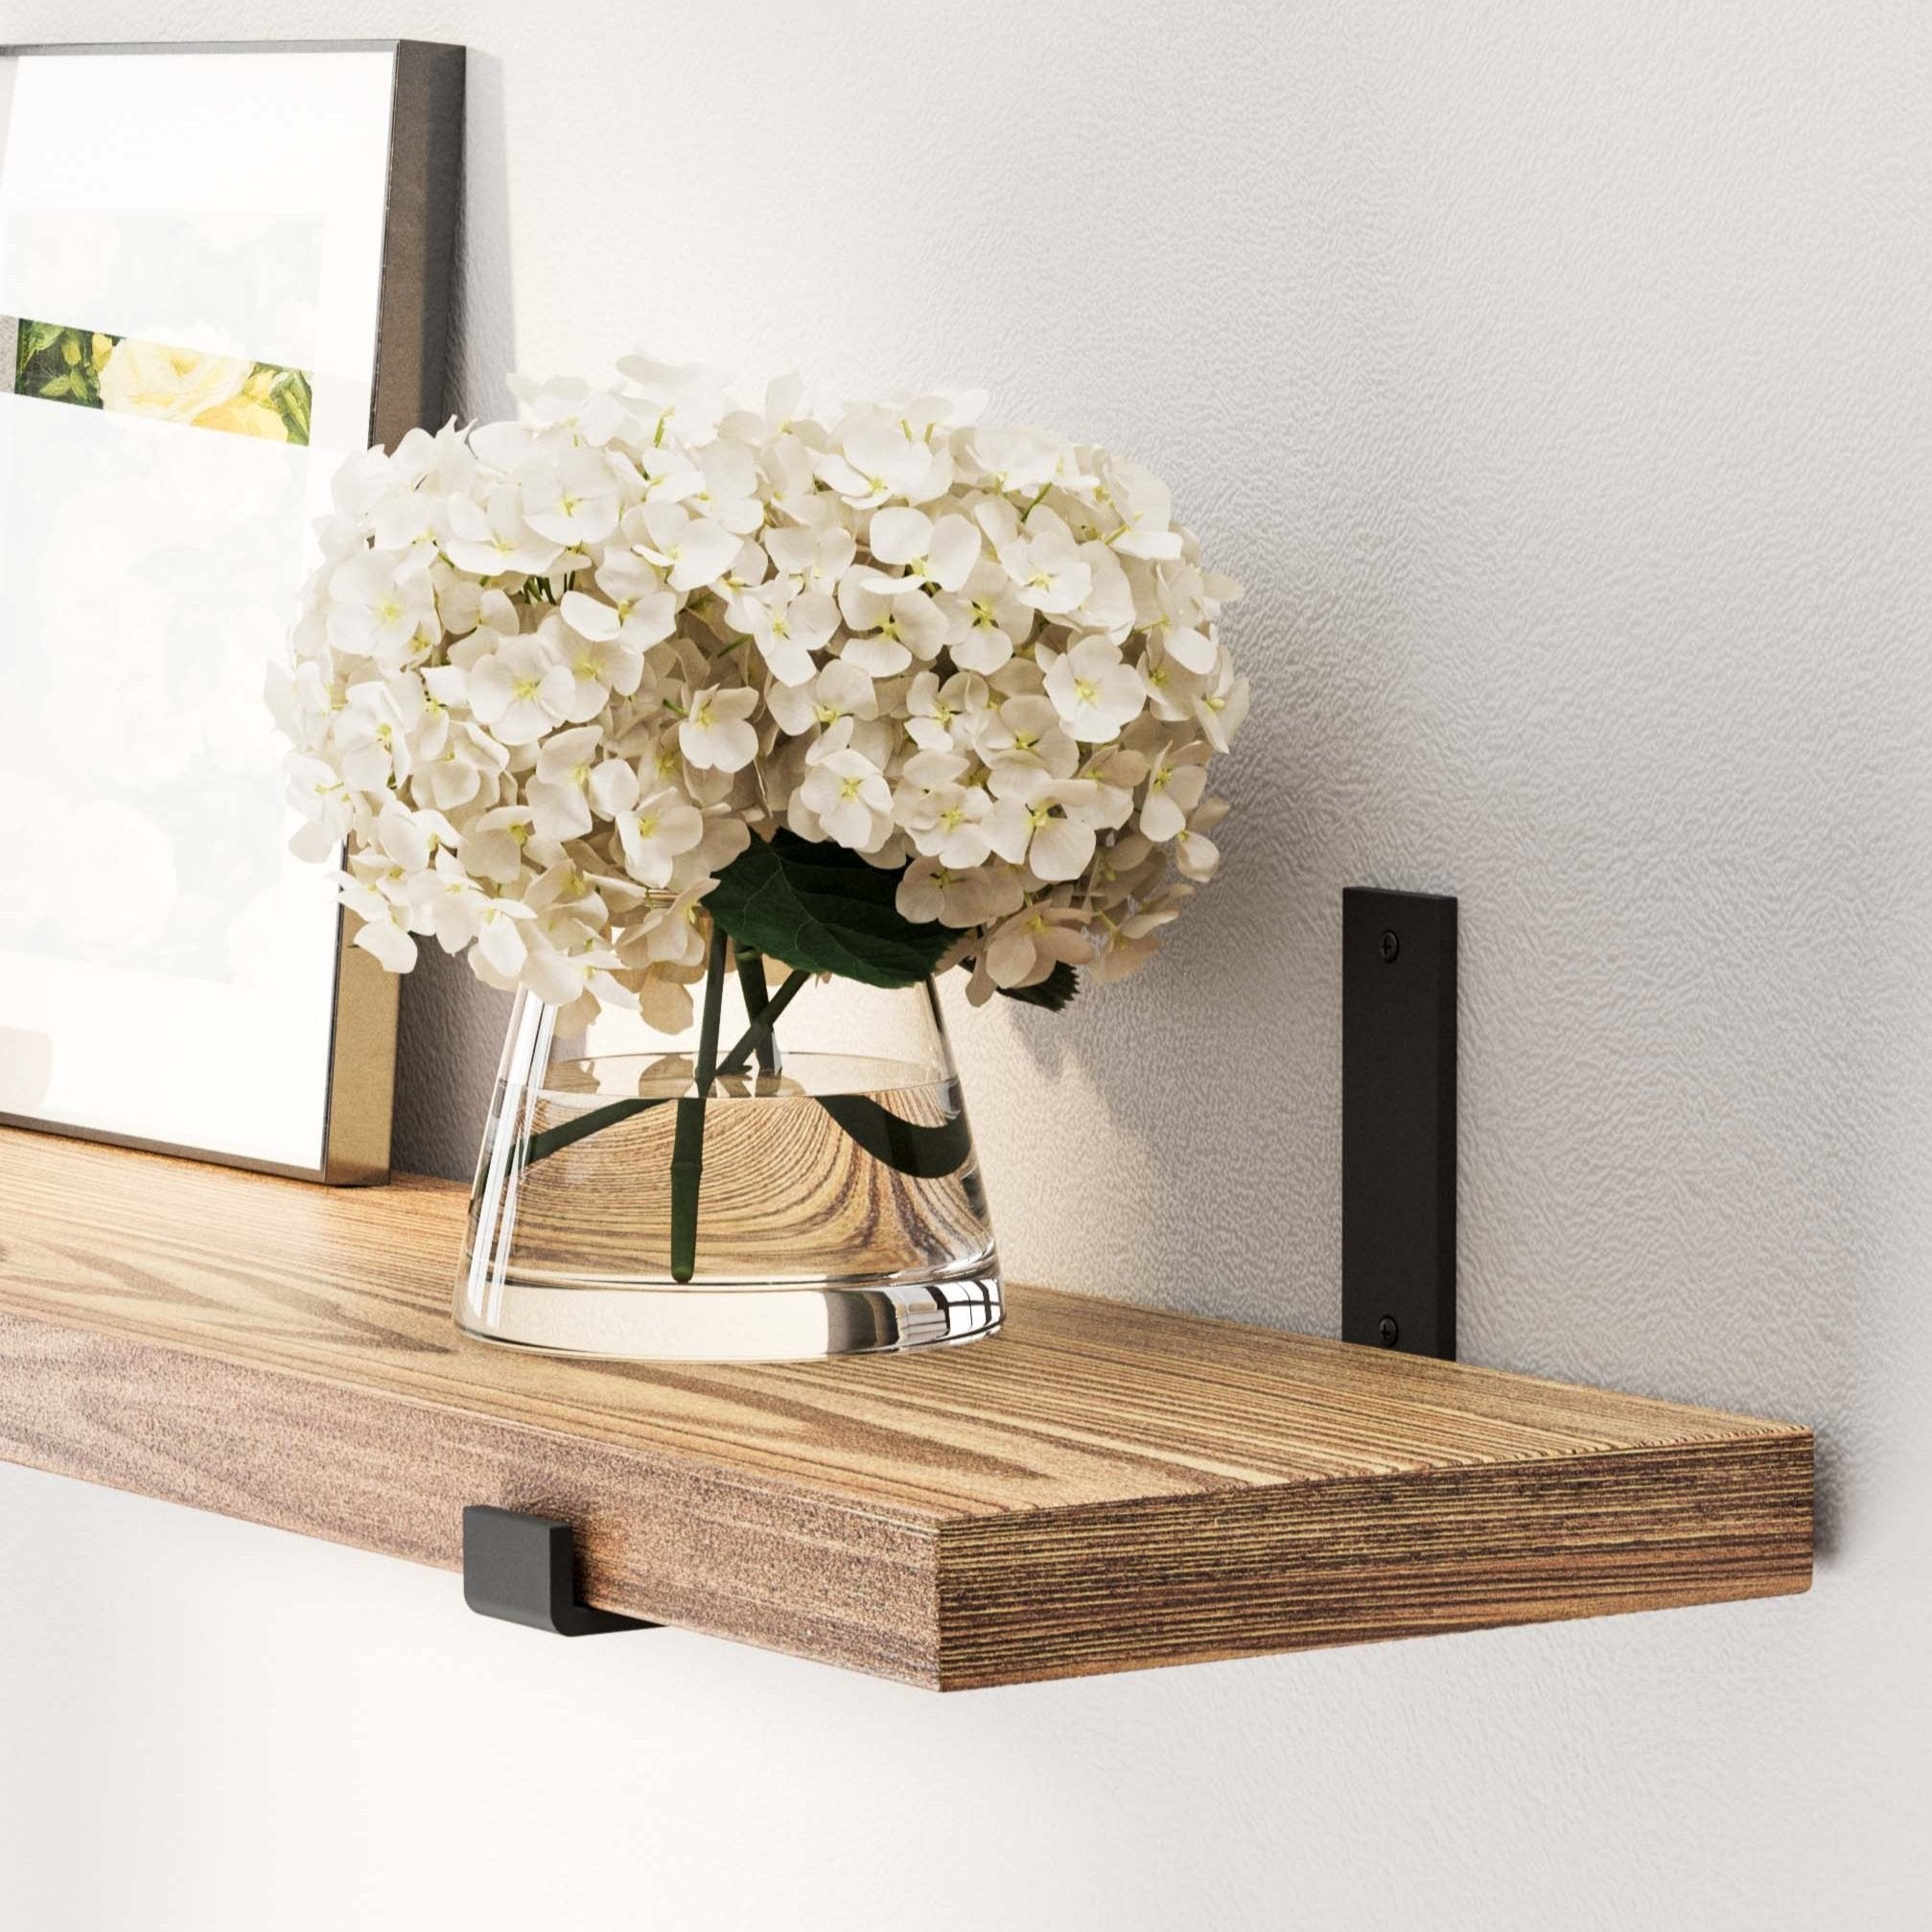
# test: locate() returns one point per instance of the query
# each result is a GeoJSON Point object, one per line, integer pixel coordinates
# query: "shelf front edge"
{"type": "Point", "coordinates": [952, 1604]}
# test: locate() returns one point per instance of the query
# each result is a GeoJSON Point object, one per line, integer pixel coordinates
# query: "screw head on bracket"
{"type": "Point", "coordinates": [1390, 1332]}
{"type": "Point", "coordinates": [1391, 945]}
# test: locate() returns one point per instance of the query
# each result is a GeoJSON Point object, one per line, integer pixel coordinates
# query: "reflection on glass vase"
{"type": "Point", "coordinates": [819, 1194]}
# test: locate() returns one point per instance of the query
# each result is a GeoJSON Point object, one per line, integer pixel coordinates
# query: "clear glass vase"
{"type": "Point", "coordinates": [821, 1197]}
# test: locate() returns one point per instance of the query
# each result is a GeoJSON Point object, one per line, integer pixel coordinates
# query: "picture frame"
{"type": "Point", "coordinates": [241, 274]}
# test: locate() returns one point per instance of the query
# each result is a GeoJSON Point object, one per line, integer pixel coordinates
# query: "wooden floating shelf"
{"type": "Point", "coordinates": [1099, 1487]}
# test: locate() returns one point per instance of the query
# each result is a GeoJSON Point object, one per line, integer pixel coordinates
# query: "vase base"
{"type": "Point", "coordinates": [754, 1322]}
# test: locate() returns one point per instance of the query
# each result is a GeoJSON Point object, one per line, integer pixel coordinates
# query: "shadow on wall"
{"type": "Point", "coordinates": [482, 322]}
{"type": "Point", "coordinates": [452, 1026]}
{"type": "Point", "coordinates": [1174, 1139]}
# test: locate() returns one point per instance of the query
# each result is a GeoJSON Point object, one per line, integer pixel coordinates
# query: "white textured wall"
{"type": "Point", "coordinates": [1557, 377]}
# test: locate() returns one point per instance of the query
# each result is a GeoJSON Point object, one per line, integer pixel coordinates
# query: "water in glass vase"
{"type": "Point", "coordinates": [835, 1204]}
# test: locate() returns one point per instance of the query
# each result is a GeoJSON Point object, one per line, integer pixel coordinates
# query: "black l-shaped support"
{"type": "Point", "coordinates": [523, 1568]}
{"type": "Point", "coordinates": [1398, 1121]}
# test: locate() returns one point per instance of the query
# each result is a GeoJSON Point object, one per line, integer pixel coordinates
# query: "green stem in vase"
{"type": "Point", "coordinates": [752, 983]}
{"type": "Point", "coordinates": [687, 1148]}
{"type": "Point", "coordinates": [566, 1133]}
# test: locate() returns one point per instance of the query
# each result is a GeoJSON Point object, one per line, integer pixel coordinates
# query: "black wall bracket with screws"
{"type": "Point", "coordinates": [1398, 1121]}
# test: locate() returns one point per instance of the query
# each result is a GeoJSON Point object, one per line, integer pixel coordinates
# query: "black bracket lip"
{"type": "Point", "coordinates": [522, 1569]}
{"type": "Point", "coordinates": [1398, 1121]}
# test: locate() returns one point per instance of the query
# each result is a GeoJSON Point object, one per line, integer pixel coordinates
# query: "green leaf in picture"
{"type": "Point", "coordinates": [1054, 993]}
{"type": "Point", "coordinates": [37, 336]}
{"type": "Point", "coordinates": [821, 908]}
{"type": "Point", "coordinates": [61, 386]}
{"type": "Point", "coordinates": [292, 400]}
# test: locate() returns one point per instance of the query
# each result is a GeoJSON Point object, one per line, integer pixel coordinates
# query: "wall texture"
{"type": "Point", "coordinates": [1557, 379]}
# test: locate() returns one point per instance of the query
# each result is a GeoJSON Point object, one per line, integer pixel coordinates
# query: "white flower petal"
{"type": "Point", "coordinates": [898, 536]}
{"type": "Point", "coordinates": [388, 943]}
{"type": "Point", "coordinates": [1061, 849]}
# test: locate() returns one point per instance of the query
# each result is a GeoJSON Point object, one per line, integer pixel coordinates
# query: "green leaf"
{"type": "Point", "coordinates": [59, 386]}
{"type": "Point", "coordinates": [37, 335]}
{"type": "Point", "coordinates": [1053, 992]}
{"type": "Point", "coordinates": [290, 395]}
{"type": "Point", "coordinates": [821, 908]}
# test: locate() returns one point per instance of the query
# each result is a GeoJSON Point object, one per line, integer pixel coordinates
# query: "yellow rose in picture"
{"type": "Point", "coordinates": [243, 416]}
{"type": "Point", "coordinates": [178, 386]}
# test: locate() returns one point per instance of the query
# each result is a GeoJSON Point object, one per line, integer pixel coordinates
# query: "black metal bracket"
{"type": "Point", "coordinates": [1398, 1121]}
{"type": "Point", "coordinates": [523, 1568]}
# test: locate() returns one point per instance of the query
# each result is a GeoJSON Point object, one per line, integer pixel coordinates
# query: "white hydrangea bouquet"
{"type": "Point", "coordinates": [876, 694]}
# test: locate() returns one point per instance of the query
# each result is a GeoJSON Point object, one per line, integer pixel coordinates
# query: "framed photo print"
{"type": "Point", "coordinates": [223, 269]}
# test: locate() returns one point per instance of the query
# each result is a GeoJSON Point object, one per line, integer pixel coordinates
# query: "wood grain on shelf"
{"type": "Point", "coordinates": [1098, 1487]}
